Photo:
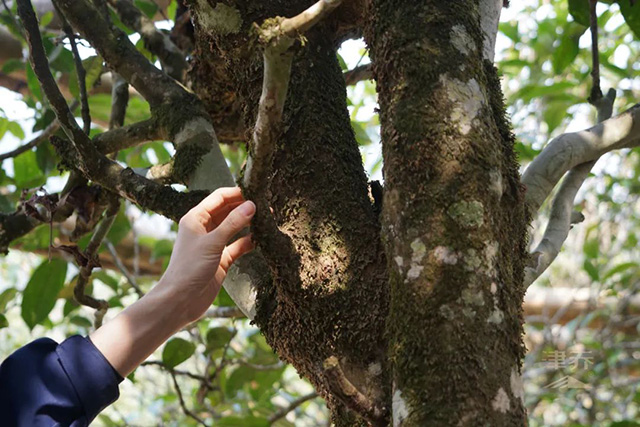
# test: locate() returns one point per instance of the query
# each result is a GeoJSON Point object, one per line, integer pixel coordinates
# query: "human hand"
{"type": "Point", "coordinates": [201, 254]}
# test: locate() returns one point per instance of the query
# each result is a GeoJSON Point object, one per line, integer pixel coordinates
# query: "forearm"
{"type": "Point", "coordinates": [133, 335]}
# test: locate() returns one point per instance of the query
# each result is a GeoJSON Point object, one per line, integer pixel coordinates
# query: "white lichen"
{"type": "Point", "coordinates": [501, 402]}
{"type": "Point", "coordinates": [496, 317]}
{"type": "Point", "coordinates": [399, 408]}
{"type": "Point", "coordinates": [399, 261]}
{"type": "Point", "coordinates": [494, 288]}
{"type": "Point", "coordinates": [447, 312]}
{"type": "Point", "coordinates": [472, 296]}
{"type": "Point", "coordinates": [375, 369]}
{"type": "Point", "coordinates": [467, 99]}
{"type": "Point", "coordinates": [445, 255]}
{"type": "Point", "coordinates": [461, 39]}
{"type": "Point", "coordinates": [419, 250]}
{"type": "Point", "coordinates": [517, 385]}
{"type": "Point", "coordinates": [222, 19]}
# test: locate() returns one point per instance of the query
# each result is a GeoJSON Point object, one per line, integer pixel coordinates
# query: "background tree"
{"type": "Point", "coordinates": [400, 305]}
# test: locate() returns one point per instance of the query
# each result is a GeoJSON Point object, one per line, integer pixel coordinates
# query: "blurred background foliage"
{"type": "Point", "coordinates": [221, 369]}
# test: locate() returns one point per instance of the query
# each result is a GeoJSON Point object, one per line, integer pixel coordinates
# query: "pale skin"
{"type": "Point", "coordinates": [199, 263]}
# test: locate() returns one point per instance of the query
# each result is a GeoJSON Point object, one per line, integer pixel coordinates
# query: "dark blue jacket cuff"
{"type": "Point", "coordinates": [93, 378]}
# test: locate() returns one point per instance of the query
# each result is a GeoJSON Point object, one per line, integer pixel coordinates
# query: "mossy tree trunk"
{"type": "Point", "coordinates": [453, 221]}
{"type": "Point", "coordinates": [448, 293]}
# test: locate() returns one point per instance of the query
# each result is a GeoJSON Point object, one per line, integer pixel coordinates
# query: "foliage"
{"type": "Point", "coordinates": [545, 60]}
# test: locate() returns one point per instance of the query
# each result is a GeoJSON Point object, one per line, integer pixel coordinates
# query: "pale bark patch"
{"type": "Point", "coordinates": [517, 386]}
{"type": "Point", "coordinates": [501, 402]}
{"type": "Point", "coordinates": [194, 128]}
{"type": "Point", "coordinates": [460, 39]}
{"type": "Point", "coordinates": [467, 99]}
{"type": "Point", "coordinates": [468, 214]}
{"type": "Point", "coordinates": [399, 408]}
{"type": "Point", "coordinates": [445, 255]}
{"type": "Point", "coordinates": [419, 250]}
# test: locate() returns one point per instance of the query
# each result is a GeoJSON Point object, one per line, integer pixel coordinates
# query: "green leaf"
{"type": "Point", "coordinates": [592, 271]}
{"type": "Point", "coordinates": [106, 278]}
{"type": "Point", "coordinates": [177, 351]}
{"type": "Point", "coordinates": [93, 69]}
{"type": "Point", "coordinates": [33, 84]}
{"type": "Point", "coordinates": [3, 321]}
{"type": "Point", "coordinates": [218, 338]}
{"type": "Point", "coordinates": [579, 9]}
{"type": "Point", "coordinates": [171, 9]}
{"type": "Point", "coordinates": [162, 248]}
{"type": "Point", "coordinates": [569, 48]}
{"type": "Point", "coordinates": [631, 15]}
{"type": "Point", "coordinates": [11, 65]}
{"type": "Point", "coordinates": [4, 125]}
{"type": "Point", "coordinates": [6, 297]}
{"type": "Point", "coordinates": [362, 136]}
{"type": "Point", "coordinates": [149, 8]}
{"type": "Point", "coordinates": [81, 321]}
{"type": "Point", "coordinates": [40, 295]}
{"type": "Point", "coordinates": [120, 228]}
{"type": "Point", "coordinates": [27, 174]}
{"type": "Point", "coordinates": [223, 299]}
{"type": "Point", "coordinates": [46, 18]}
{"type": "Point", "coordinates": [47, 158]}
{"type": "Point", "coordinates": [619, 269]}
{"type": "Point", "coordinates": [16, 129]}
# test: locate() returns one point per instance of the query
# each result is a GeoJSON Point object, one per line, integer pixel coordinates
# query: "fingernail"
{"type": "Point", "coordinates": [247, 208]}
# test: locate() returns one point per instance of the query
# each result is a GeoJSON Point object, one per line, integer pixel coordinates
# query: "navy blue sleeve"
{"type": "Point", "coordinates": [46, 384]}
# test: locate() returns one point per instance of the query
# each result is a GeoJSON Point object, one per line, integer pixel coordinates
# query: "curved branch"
{"type": "Point", "coordinates": [44, 136]}
{"type": "Point", "coordinates": [281, 413]}
{"type": "Point", "coordinates": [571, 149]}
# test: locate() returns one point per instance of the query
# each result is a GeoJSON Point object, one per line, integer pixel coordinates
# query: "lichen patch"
{"type": "Point", "coordinates": [399, 407]}
{"type": "Point", "coordinates": [467, 99]}
{"type": "Point", "coordinates": [445, 255]}
{"type": "Point", "coordinates": [460, 39]}
{"type": "Point", "coordinates": [467, 213]}
{"type": "Point", "coordinates": [222, 19]}
{"type": "Point", "coordinates": [501, 402]}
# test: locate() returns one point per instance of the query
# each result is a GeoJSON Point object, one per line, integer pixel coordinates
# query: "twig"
{"type": "Point", "coordinates": [178, 372]}
{"type": "Point", "coordinates": [281, 413]}
{"type": "Point", "coordinates": [342, 388]}
{"type": "Point", "coordinates": [44, 136]}
{"type": "Point", "coordinates": [183, 405]}
{"type": "Point", "coordinates": [596, 92]}
{"type": "Point", "coordinates": [357, 74]}
{"type": "Point", "coordinates": [91, 255]}
{"type": "Point", "coordinates": [81, 74]}
{"type": "Point", "coordinates": [118, 262]}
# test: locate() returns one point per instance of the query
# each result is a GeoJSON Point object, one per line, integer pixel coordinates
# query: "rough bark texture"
{"type": "Point", "coordinates": [329, 292]}
{"type": "Point", "coordinates": [453, 218]}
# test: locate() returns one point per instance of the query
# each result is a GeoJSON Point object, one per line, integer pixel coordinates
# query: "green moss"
{"type": "Point", "coordinates": [468, 214]}
{"type": "Point", "coordinates": [221, 20]}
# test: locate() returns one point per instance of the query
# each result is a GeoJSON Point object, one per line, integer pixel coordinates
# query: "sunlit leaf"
{"type": "Point", "coordinates": [176, 351]}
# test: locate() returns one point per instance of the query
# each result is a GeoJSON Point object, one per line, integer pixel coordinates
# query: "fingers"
{"type": "Point", "coordinates": [237, 219]}
{"type": "Point", "coordinates": [235, 250]}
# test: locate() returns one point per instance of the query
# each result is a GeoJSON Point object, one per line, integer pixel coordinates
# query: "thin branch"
{"type": "Point", "coordinates": [183, 405]}
{"type": "Point", "coordinates": [191, 375]}
{"type": "Point", "coordinates": [281, 413]}
{"type": "Point", "coordinates": [171, 58]}
{"type": "Point", "coordinates": [91, 255]}
{"type": "Point", "coordinates": [341, 387]}
{"type": "Point", "coordinates": [44, 136]}
{"type": "Point", "coordinates": [81, 75]}
{"type": "Point", "coordinates": [224, 312]}
{"type": "Point", "coordinates": [357, 74]}
{"type": "Point", "coordinates": [123, 269]}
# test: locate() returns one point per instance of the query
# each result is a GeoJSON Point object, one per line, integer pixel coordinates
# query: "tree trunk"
{"type": "Point", "coordinates": [329, 292]}
{"type": "Point", "coordinates": [453, 221]}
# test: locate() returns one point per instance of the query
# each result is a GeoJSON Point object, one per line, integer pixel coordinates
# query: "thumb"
{"type": "Point", "coordinates": [236, 220]}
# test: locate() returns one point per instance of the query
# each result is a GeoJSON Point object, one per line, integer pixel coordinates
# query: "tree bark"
{"type": "Point", "coordinates": [454, 221]}
{"type": "Point", "coordinates": [328, 297]}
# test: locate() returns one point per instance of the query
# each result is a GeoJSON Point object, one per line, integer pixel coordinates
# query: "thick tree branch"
{"type": "Point", "coordinates": [571, 149]}
{"type": "Point", "coordinates": [357, 74]}
{"type": "Point", "coordinates": [489, 18]}
{"type": "Point", "coordinates": [171, 58]}
{"type": "Point", "coordinates": [119, 101]}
